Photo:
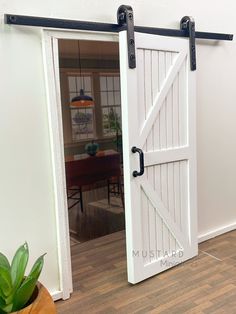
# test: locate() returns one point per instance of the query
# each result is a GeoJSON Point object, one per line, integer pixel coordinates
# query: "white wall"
{"type": "Point", "coordinates": [26, 191]}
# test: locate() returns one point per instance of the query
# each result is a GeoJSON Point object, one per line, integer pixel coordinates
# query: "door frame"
{"type": "Point", "coordinates": [52, 81]}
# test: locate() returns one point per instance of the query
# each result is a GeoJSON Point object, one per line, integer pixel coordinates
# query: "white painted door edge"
{"type": "Point", "coordinates": [52, 81]}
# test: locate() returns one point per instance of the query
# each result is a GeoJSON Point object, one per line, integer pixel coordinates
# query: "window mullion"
{"type": "Point", "coordinates": [98, 109]}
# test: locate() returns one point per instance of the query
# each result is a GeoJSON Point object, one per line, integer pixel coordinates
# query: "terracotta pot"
{"type": "Point", "coordinates": [42, 304]}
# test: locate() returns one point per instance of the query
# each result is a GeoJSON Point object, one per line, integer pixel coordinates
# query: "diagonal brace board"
{"type": "Point", "coordinates": [160, 97]}
{"type": "Point", "coordinates": [164, 214]}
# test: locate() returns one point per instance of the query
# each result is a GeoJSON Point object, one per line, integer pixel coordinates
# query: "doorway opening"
{"type": "Point", "coordinates": [92, 136]}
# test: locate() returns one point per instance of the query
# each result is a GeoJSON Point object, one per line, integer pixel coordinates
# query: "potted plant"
{"type": "Point", "coordinates": [114, 124]}
{"type": "Point", "coordinates": [20, 293]}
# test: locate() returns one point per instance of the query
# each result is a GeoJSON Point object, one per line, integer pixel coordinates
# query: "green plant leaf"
{"type": "Point", "coordinates": [6, 290]}
{"type": "Point", "coordinates": [26, 289]}
{"type": "Point", "coordinates": [2, 303]}
{"type": "Point", "coordinates": [37, 267]}
{"type": "Point", "coordinates": [2, 295]}
{"type": "Point", "coordinates": [4, 261]}
{"type": "Point", "coordinates": [5, 282]}
{"type": "Point", "coordinates": [7, 308]}
{"type": "Point", "coordinates": [24, 293]}
{"type": "Point", "coordinates": [19, 264]}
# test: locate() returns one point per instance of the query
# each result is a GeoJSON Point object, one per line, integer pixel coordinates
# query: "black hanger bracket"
{"type": "Point", "coordinates": [187, 24]}
{"type": "Point", "coordinates": [125, 17]}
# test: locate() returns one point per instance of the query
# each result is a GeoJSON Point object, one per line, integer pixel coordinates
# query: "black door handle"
{"type": "Point", "coordinates": [141, 161]}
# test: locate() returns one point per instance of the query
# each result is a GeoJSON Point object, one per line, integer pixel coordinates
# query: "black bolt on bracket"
{"type": "Point", "coordinates": [187, 24]}
{"type": "Point", "coordinates": [125, 17]}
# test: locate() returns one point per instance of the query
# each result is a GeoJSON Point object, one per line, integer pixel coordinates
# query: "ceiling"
{"type": "Point", "coordinates": [88, 49]}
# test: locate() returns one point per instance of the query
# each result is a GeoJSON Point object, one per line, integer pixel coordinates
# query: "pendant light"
{"type": "Point", "coordinates": [81, 100]}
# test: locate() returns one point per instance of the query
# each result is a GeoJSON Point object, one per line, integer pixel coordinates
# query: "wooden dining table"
{"type": "Point", "coordinates": [83, 169]}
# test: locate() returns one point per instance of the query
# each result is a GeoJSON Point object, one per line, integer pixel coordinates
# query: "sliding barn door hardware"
{"type": "Point", "coordinates": [187, 24]}
{"type": "Point", "coordinates": [125, 18]}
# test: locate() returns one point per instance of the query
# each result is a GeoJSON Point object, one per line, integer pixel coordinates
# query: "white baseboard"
{"type": "Point", "coordinates": [56, 295]}
{"type": "Point", "coordinates": [215, 232]}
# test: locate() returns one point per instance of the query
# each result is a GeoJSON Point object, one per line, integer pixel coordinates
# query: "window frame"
{"type": "Point", "coordinates": [77, 73]}
{"type": "Point", "coordinates": [95, 74]}
{"type": "Point", "coordinates": [107, 74]}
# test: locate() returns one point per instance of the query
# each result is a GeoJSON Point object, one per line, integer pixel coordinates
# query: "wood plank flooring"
{"type": "Point", "coordinates": [99, 218]}
{"type": "Point", "coordinates": [205, 284]}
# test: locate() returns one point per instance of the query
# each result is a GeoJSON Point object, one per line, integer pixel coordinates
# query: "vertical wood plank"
{"type": "Point", "coordinates": [150, 146]}
{"type": "Point", "coordinates": [177, 193]}
{"type": "Point", "coordinates": [162, 74]}
{"type": "Point", "coordinates": [183, 140]}
{"type": "Point", "coordinates": [171, 205]}
{"type": "Point", "coordinates": [141, 95]}
{"type": "Point", "coordinates": [152, 232]}
{"type": "Point", "coordinates": [145, 228]}
{"type": "Point", "coordinates": [152, 218]}
{"type": "Point", "coordinates": [176, 167]}
{"type": "Point", "coordinates": [182, 106]}
{"type": "Point", "coordinates": [148, 92]}
{"type": "Point", "coordinates": [169, 141]}
{"type": "Point", "coordinates": [159, 229]}
{"type": "Point", "coordinates": [184, 197]}
{"type": "Point", "coordinates": [169, 106]}
{"type": "Point", "coordinates": [148, 80]}
{"type": "Point", "coordinates": [156, 146]}
{"type": "Point", "coordinates": [175, 92]}
{"type": "Point", "coordinates": [155, 91]}
{"type": "Point", "coordinates": [163, 144]}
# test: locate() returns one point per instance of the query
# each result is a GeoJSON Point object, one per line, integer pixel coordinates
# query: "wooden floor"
{"type": "Point", "coordinates": [205, 284]}
{"type": "Point", "coordinates": [99, 217]}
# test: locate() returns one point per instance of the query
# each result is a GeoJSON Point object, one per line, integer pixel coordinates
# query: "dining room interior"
{"type": "Point", "coordinates": [92, 135]}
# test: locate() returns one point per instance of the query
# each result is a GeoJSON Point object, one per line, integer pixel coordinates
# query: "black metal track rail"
{"type": "Point", "coordinates": [105, 27]}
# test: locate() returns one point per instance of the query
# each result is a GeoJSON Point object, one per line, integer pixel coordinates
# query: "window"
{"type": "Point", "coordinates": [110, 104]}
{"type": "Point", "coordinates": [82, 118]}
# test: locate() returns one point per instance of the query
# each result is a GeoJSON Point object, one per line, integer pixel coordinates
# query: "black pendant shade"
{"type": "Point", "coordinates": [82, 100]}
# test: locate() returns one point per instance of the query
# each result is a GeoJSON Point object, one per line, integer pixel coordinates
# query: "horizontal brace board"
{"type": "Point", "coordinates": [104, 27]}
{"type": "Point", "coordinates": [166, 156]}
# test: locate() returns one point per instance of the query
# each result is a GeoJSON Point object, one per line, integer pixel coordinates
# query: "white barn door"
{"type": "Point", "coordinates": [158, 116]}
